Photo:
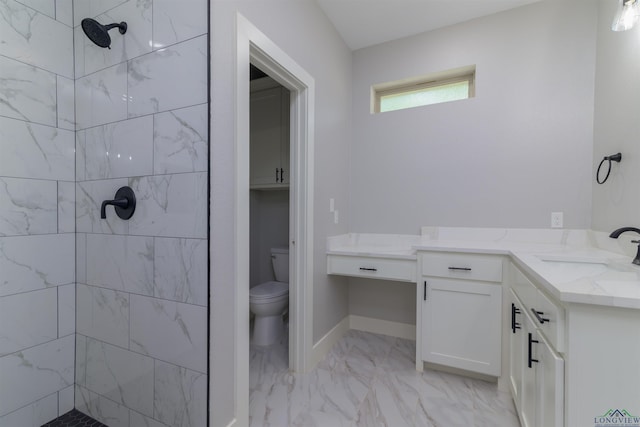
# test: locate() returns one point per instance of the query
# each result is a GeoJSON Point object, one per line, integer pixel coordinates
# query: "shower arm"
{"type": "Point", "coordinates": [122, 27]}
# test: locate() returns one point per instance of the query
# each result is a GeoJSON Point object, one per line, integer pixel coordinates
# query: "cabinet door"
{"type": "Point", "coordinates": [550, 385]}
{"type": "Point", "coordinates": [529, 395]}
{"type": "Point", "coordinates": [266, 137]}
{"type": "Point", "coordinates": [285, 150]}
{"type": "Point", "coordinates": [516, 348]}
{"type": "Point", "coordinates": [461, 324]}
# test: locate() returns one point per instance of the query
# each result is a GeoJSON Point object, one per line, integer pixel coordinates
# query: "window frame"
{"type": "Point", "coordinates": [464, 74]}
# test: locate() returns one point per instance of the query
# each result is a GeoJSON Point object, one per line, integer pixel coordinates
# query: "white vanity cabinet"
{"type": "Point", "coordinates": [460, 311]}
{"type": "Point", "coordinates": [536, 372]}
{"type": "Point", "coordinates": [571, 341]}
{"type": "Point", "coordinates": [516, 348]}
{"type": "Point", "coordinates": [269, 138]}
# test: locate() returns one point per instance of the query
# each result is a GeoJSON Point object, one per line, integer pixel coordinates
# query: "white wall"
{"type": "Point", "coordinates": [617, 124]}
{"type": "Point", "coordinates": [383, 299]}
{"type": "Point", "coordinates": [518, 151]}
{"type": "Point", "coordinates": [269, 214]}
{"type": "Point", "coordinates": [521, 149]}
{"type": "Point", "coordinates": [301, 30]}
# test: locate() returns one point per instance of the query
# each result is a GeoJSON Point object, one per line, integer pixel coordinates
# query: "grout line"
{"type": "Point", "coordinates": [128, 99]}
{"type": "Point", "coordinates": [38, 345]}
{"type": "Point", "coordinates": [58, 311]}
{"type": "Point", "coordinates": [154, 358]}
{"type": "Point", "coordinates": [43, 124]}
{"type": "Point", "coordinates": [42, 179]}
{"type": "Point", "coordinates": [58, 207]}
{"type": "Point", "coordinates": [139, 176]}
{"type": "Point", "coordinates": [154, 390]}
{"type": "Point", "coordinates": [34, 290]}
{"type": "Point", "coordinates": [28, 404]}
{"type": "Point", "coordinates": [57, 102]}
{"type": "Point", "coordinates": [33, 65]}
{"type": "Point", "coordinates": [93, 233]}
{"type": "Point", "coordinates": [137, 294]}
{"type": "Point", "coordinates": [129, 302]}
{"type": "Point", "coordinates": [153, 145]}
{"type": "Point", "coordinates": [154, 286]}
{"type": "Point", "coordinates": [18, 236]}
{"type": "Point", "coordinates": [153, 113]}
{"type": "Point", "coordinates": [152, 52]}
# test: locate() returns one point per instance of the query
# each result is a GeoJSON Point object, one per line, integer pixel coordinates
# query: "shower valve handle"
{"type": "Point", "coordinates": [124, 203]}
{"type": "Point", "coordinates": [121, 203]}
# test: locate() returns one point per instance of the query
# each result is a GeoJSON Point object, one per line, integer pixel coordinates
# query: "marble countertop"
{"type": "Point", "coordinates": [395, 246]}
{"type": "Point", "coordinates": [574, 266]}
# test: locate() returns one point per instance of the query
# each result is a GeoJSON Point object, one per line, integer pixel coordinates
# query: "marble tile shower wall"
{"type": "Point", "coordinates": [141, 114]}
{"type": "Point", "coordinates": [37, 224]}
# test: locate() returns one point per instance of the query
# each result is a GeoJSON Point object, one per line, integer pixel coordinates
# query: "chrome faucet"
{"type": "Point", "coordinates": [616, 233]}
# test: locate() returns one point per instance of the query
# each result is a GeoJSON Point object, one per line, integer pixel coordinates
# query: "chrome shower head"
{"type": "Point", "coordinates": [98, 33]}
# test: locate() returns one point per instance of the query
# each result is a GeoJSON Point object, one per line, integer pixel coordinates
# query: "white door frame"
{"type": "Point", "coordinates": [252, 46]}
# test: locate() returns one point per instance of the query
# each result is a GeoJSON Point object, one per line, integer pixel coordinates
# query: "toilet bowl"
{"type": "Point", "coordinates": [268, 300]}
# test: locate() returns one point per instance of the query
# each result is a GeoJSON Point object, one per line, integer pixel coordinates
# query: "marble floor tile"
{"type": "Point", "coordinates": [369, 380]}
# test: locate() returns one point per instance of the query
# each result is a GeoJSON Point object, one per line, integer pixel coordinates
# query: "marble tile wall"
{"type": "Point", "coordinates": [141, 114]}
{"type": "Point", "coordinates": [37, 215]}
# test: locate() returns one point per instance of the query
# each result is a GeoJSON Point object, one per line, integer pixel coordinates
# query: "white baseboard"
{"type": "Point", "coordinates": [383, 327]}
{"type": "Point", "coordinates": [324, 344]}
{"type": "Point", "coordinates": [233, 423]}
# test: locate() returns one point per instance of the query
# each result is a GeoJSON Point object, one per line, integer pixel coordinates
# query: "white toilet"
{"type": "Point", "coordinates": [268, 300]}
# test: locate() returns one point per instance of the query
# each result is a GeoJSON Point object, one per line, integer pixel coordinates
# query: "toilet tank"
{"type": "Point", "coordinates": [280, 262]}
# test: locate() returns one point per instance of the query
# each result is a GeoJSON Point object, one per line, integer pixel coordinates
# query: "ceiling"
{"type": "Point", "coordinates": [363, 23]}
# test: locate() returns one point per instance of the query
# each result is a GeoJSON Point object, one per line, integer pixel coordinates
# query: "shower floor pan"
{"type": "Point", "coordinates": [74, 418]}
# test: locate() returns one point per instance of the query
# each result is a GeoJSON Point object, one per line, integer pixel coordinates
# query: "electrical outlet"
{"type": "Point", "coordinates": [556, 219]}
{"type": "Point", "coordinates": [335, 216]}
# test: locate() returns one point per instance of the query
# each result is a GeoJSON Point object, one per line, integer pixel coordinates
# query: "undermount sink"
{"type": "Point", "coordinates": [565, 268]}
{"type": "Point", "coordinates": [627, 288]}
{"type": "Point", "coordinates": [588, 260]}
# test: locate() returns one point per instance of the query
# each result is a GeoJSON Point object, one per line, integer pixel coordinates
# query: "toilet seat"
{"type": "Point", "coordinates": [268, 290]}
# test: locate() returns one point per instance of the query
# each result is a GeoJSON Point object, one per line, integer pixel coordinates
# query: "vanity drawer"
{"type": "Point", "coordinates": [549, 318]}
{"type": "Point", "coordinates": [375, 268]}
{"type": "Point", "coordinates": [462, 266]}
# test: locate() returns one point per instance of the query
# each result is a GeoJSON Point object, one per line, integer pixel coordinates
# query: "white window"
{"type": "Point", "coordinates": [451, 85]}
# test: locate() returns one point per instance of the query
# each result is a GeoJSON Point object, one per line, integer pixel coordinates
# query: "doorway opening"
{"type": "Point", "coordinates": [269, 166]}
{"type": "Point", "coordinates": [253, 47]}
{"type": "Point", "coordinates": [286, 73]}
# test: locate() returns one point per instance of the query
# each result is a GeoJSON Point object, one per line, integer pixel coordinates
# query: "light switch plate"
{"type": "Point", "coordinates": [556, 220]}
